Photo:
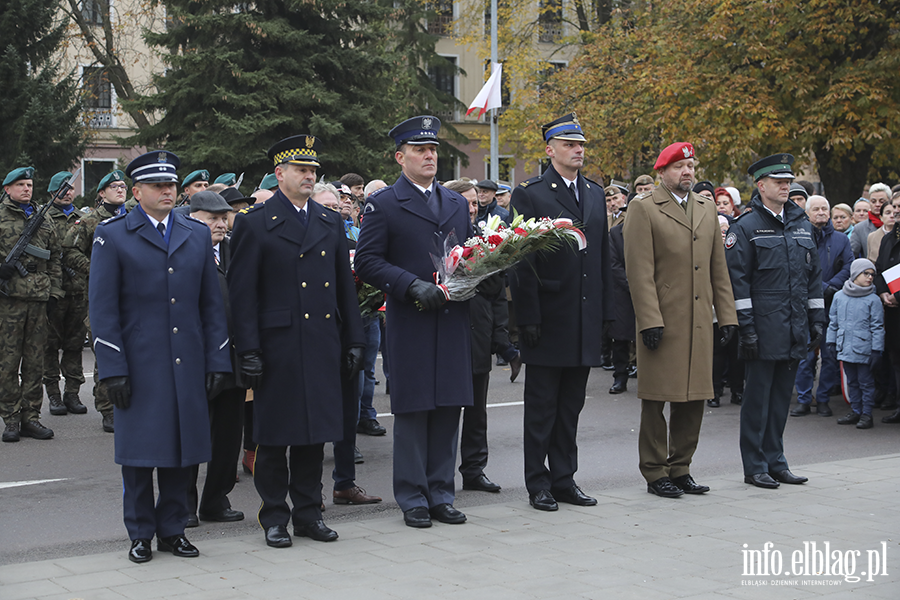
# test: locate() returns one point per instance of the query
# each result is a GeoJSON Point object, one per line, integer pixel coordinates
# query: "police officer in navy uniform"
{"type": "Point", "coordinates": [561, 300]}
{"type": "Point", "coordinates": [427, 338]}
{"type": "Point", "coordinates": [299, 332]}
{"type": "Point", "coordinates": [162, 347]}
{"type": "Point", "coordinates": [777, 283]}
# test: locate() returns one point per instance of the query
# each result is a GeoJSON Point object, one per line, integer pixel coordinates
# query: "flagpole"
{"type": "Point", "coordinates": [495, 147]}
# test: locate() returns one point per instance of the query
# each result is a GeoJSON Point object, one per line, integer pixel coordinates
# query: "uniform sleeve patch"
{"type": "Point", "coordinates": [730, 240]}
{"type": "Point", "coordinates": [370, 208]}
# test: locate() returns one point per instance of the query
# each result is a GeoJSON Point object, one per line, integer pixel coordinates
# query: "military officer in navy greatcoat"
{"type": "Point", "coordinates": [299, 332]}
{"type": "Point", "coordinates": [162, 346]}
{"type": "Point", "coordinates": [561, 300]}
{"type": "Point", "coordinates": [777, 283]}
{"type": "Point", "coordinates": [427, 338]}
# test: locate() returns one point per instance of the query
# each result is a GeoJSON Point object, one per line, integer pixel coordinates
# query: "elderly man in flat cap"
{"type": "Point", "coordinates": [676, 273]}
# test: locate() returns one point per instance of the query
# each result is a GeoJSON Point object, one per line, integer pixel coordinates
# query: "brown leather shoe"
{"type": "Point", "coordinates": [355, 495]}
{"type": "Point", "coordinates": [248, 461]}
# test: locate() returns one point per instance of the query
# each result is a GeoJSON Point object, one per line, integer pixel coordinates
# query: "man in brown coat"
{"type": "Point", "coordinates": [676, 270]}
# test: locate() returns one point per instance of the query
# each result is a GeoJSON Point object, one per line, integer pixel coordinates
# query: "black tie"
{"type": "Point", "coordinates": [572, 192]}
{"type": "Point", "coordinates": [162, 229]}
{"type": "Point", "coordinates": [432, 203]}
{"type": "Point", "coordinates": [302, 215]}
{"type": "Point", "coordinates": [780, 218]}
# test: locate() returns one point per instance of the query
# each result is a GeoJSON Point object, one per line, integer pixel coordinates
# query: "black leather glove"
{"type": "Point", "coordinates": [7, 271]}
{"type": "Point", "coordinates": [353, 362]}
{"type": "Point", "coordinates": [875, 360]}
{"type": "Point", "coordinates": [252, 368]}
{"type": "Point", "coordinates": [816, 335]}
{"type": "Point", "coordinates": [829, 293]}
{"type": "Point", "coordinates": [51, 305]}
{"type": "Point", "coordinates": [530, 334]}
{"type": "Point", "coordinates": [651, 337]}
{"type": "Point", "coordinates": [727, 332]}
{"type": "Point", "coordinates": [492, 285]}
{"type": "Point", "coordinates": [748, 347]}
{"type": "Point", "coordinates": [215, 384]}
{"type": "Point", "coordinates": [119, 391]}
{"type": "Point", "coordinates": [426, 295]}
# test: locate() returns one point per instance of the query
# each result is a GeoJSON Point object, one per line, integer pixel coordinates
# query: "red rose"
{"type": "Point", "coordinates": [520, 231]}
{"type": "Point", "coordinates": [467, 252]}
{"type": "Point", "coordinates": [495, 240]}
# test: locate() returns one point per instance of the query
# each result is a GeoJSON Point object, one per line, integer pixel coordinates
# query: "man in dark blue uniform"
{"type": "Point", "coordinates": [162, 347]}
{"type": "Point", "coordinates": [299, 332]}
{"type": "Point", "coordinates": [561, 301]}
{"type": "Point", "coordinates": [777, 283]}
{"type": "Point", "coordinates": [427, 338]}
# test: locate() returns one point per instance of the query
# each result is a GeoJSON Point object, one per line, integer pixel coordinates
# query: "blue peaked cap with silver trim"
{"type": "Point", "coordinates": [154, 167]}
{"type": "Point", "coordinates": [417, 131]}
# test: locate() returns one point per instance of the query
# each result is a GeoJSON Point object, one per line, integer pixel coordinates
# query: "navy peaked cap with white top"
{"type": "Point", "coordinates": [417, 131]}
{"type": "Point", "coordinates": [154, 167]}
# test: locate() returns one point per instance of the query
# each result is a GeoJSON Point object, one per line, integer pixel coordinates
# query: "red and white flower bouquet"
{"type": "Point", "coordinates": [462, 267]}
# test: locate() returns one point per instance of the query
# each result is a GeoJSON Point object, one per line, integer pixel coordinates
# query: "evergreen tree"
{"type": "Point", "coordinates": [41, 119]}
{"type": "Point", "coordinates": [243, 76]}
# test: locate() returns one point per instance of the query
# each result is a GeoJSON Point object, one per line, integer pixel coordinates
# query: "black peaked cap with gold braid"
{"type": "Point", "coordinates": [296, 150]}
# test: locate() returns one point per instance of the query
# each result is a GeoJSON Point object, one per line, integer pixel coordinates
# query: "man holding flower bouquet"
{"type": "Point", "coordinates": [427, 340]}
{"type": "Point", "coordinates": [561, 301]}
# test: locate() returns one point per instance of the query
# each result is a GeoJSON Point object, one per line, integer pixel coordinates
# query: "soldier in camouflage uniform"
{"type": "Point", "coordinates": [77, 257]}
{"type": "Point", "coordinates": [23, 310]}
{"type": "Point", "coordinates": [67, 330]}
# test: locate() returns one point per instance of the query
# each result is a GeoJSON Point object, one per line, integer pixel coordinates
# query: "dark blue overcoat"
{"type": "Point", "coordinates": [157, 317]}
{"type": "Point", "coordinates": [293, 297]}
{"type": "Point", "coordinates": [429, 352]}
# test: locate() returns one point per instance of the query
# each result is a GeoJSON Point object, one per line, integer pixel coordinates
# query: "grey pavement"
{"type": "Point", "coordinates": [632, 545]}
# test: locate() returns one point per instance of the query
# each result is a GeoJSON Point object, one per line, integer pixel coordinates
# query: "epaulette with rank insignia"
{"type": "Point", "coordinates": [247, 209]}
{"type": "Point", "coordinates": [528, 182]}
{"type": "Point", "coordinates": [195, 219]}
{"type": "Point", "coordinates": [379, 190]}
{"type": "Point", "coordinates": [111, 219]}
{"type": "Point", "coordinates": [747, 211]}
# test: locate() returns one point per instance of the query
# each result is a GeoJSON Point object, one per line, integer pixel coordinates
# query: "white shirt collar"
{"type": "Point", "coordinates": [422, 189]}
{"type": "Point", "coordinates": [774, 214]}
{"type": "Point", "coordinates": [155, 223]}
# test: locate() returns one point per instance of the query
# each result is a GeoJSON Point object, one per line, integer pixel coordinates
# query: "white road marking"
{"type": "Point", "coordinates": [12, 484]}
{"type": "Point", "coordinates": [498, 404]}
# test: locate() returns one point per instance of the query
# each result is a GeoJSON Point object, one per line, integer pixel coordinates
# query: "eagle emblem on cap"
{"type": "Point", "coordinates": [785, 159]}
{"type": "Point", "coordinates": [115, 177]}
{"type": "Point", "coordinates": [687, 151]}
{"type": "Point", "coordinates": [575, 118]}
{"type": "Point", "coordinates": [310, 140]}
{"type": "Point", "coordinates": [426, 123]}
{"type": "Point", "coordinates": [162, 157]}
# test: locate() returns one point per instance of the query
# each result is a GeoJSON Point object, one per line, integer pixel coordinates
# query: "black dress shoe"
{"type": "Point", "coordinates": [34, 429]}
{"type": "Point", "coordinates": [687, 484]}
{"type": "Point", "coordinates": [737, 398]}
{"type": "Point", "coordinates": [761, 480]}
{"type": "Point", "coordinates": [620, 386]}
{"type": "Point", "coordinates": [713, 403]}
{"type": "Point", "coordinates": [277, 537]}
{"type": "Point", "coordinates": [417, 517]}
{"type": "Point", "coordinates": [515, 367]}
{"type": "Point", "coordinates": [801, 410]}
{"type": "Point", "coordinates": [73, 404]}
{"type": "Point", "coordinates": [786, 476]}
{"type": "Point", "coordinates": [316, 530]}
{"type": "Point", "coordinates": [445, 513]}
{"type": "Point", "coordinates": [11, 432]}
{"type": "Point", "coordinates": [501, 362]}
{"type": "Point", "coordinates": [370, 427]}
{"type": "Point", "coordinates": [226, 516]}
{"type": "Point", "coordinates": [543, 500]}
{"type": "Point", "coordinates": [665, 488]}
{"type": "Point", "coordinates": [358, 457]}
{"type": "Point", "coordinates": [108, 423]}
{"type": "Point", "coordinates": [632, 372]}
{"type": "Point", "coordinates": [890, 403]}
{"type": "Point", "coordinates": [481, 484]}
{"type": "Point", "coordinates": [56, 405]}
{"type": "Point", "coordinates": [141, 551]}
{"type": "Point", "coordinates": [865, 422]}
{"type": "Point", "coordinates": [192, 522]}
{"type": "Point", "coordinates": [823, 410]}
{"type": "Point", "coordinates": [573, 495]}
{"type": "Point", "coordinates": [851, 418]}
{"type": "Point", "coordinates": [177, 545]}
{"type": "Point", "coordinates": [607, 364]}
{"type": "Point", "coordinates": [894, 418]}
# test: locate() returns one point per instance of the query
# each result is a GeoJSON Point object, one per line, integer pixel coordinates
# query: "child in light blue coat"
{"type": "Point", "coordinates": [856, 333]}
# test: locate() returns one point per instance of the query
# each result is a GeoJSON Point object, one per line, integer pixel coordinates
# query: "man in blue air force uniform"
{"type": "Point", "coordinates": [162, 346]}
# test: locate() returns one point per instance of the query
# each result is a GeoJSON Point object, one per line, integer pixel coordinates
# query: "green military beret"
{"type": "Point", "coordinates": [17, 174]}
{"type": "Point", "coordinates": [57, 180]}
{"type": "Point", "coordinates": [269, 182]}
{"type": "Point", "coordinates": [199, 175]}
{"type": "Point", "coordinates": [114, 176]}
{"type": "Point", "coordinates": [227, 179]}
